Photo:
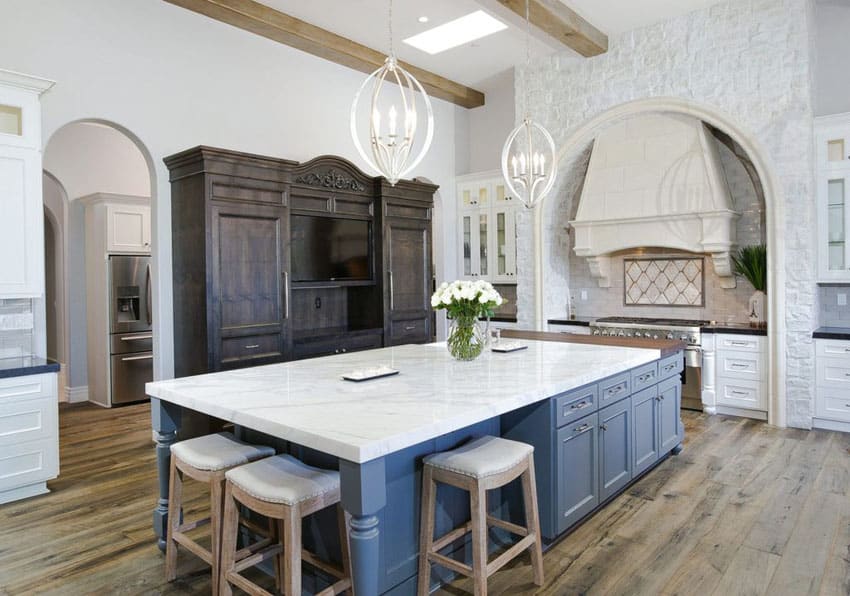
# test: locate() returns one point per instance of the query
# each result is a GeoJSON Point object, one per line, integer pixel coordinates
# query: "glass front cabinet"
{"type": "Point", "coordinates": [832, 136]}
{"type": "Point", "coordinates": [487, 226]}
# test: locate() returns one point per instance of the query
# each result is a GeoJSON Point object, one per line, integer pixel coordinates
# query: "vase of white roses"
{"type": "Point", "coordinates": [465, 302]}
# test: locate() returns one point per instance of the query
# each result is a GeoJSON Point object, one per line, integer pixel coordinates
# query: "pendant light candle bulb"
{"type": "Point", "coordinates": [392, 121]}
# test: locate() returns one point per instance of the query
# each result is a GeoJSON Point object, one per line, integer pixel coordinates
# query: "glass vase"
{"type": "Point", "coordinates": [466, 338]}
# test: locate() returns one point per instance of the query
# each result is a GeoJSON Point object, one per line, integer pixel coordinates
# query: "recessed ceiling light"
{"type": "Point", "coordinates": [422, 19]}
{"type": "Point", "coordinates": [455, 33]}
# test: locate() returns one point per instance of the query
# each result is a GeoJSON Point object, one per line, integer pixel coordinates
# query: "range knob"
{"type": "Point", "coordinates": [684, 338]}
{"type": "Point", "coordinates": [654, 336]}
{"type": "Point", "coordinates": [596, 332]}
{"type": "Point", "coordinates": [669, 335]}
{"type": "Point", "coordinates": [621, 333]}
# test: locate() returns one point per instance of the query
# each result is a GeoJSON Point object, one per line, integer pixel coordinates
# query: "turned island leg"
{"type": "Point", "coordinates": [363, 490]}
{"type": "Point", "coordinates": [165, 419]}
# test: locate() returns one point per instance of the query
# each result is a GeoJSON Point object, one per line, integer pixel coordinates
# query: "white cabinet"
{"type": "Point", "coordinates": [740, 369]}
{"type": "Point", "coordinates": [21, 211]}
{"type": "Point", "coordinates": [832, 135]}
{"type": "Point", "coordinates": [128, 227]}
{"type": "Point", "coordinates": [575, 329]}
{"type": "Point", "coordinates": [487, 218]}
{"type": "Point", "coordinates": [832, 391]}
{"type": "Point", "coordinates": [29, 435]}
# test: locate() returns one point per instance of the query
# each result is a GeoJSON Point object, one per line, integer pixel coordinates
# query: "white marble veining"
{"type": "Point", "coordinates": [307, 401]}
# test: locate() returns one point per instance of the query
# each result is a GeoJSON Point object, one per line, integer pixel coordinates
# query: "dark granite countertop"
{"type": "Point", "coordinates": [581, 321]}
{"type": "Point", "coordinates": [734, 328]}
{"type": "Point", "coordinates": [26, 365]}
{"type": "Point", "coordinates": [832, 333]}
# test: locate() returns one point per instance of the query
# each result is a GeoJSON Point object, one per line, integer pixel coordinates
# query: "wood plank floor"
{"type": "Point", "coordinates": [745, 509]}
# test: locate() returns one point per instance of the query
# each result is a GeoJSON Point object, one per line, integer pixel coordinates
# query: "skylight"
{"type": "Point", "coordinates": [455, 33]}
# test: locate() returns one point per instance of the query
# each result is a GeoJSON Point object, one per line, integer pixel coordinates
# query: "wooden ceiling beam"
{"type": "Point", "coordinates": [562, 23]}
{"type": "Point", "coordinates": [283, 28]}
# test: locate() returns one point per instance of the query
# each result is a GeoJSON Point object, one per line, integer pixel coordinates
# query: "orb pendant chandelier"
{"type": "Point", "coordinates": [392, 138]}
{"type": "Point", "coordinates": [528, 157]}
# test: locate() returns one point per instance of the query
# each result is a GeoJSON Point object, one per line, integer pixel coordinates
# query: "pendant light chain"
{"type": "Point", "coordinates": [529, 170]}
{"type": "Point", "coordinates": [390, 29]}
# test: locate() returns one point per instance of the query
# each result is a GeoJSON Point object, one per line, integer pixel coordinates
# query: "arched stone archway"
{"type": "Point", "coordinates": [548, 223]}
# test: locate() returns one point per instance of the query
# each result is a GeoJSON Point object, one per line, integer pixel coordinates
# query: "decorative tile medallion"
{"type": "Point", "coordinates": [666, 281]}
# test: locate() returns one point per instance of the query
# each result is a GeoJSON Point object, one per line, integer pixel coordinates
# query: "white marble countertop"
{"type": "Point", "coordinates": [307, 401]}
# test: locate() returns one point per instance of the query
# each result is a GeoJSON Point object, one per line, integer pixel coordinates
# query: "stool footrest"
{"type": "Point", "coordinates": [507, 556]}
{"type": "Point", "coordinates": [506, 525]}
{"type": "Point", "coordinates": [189, 526]}
{"type": "Point", "coordinates": [446, 539]}
{"type": "Point", "coordinates": [445, 561]}
{"type": "Point", "coordinates": [255, 559]}
{"type": "Point", "coordinates": [246, 585]}
{"type": "Point", "coordinates": [251, 549]}
{"type": "Point", "coordinates": [195, 548]}
{"type": "Point", "coordinates": [313, 560]}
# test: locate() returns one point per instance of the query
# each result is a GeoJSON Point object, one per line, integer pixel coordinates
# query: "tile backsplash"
{"type": "Point", "coordinates": [833, 314]}
{"type": "Point", "coordinates": [16, 327]}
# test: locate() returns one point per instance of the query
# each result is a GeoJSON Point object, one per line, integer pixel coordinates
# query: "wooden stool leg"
{"type": "Point", "coordinates": [292, 552]}
{"type": "Point", "coordinates": [279, 560]}
{"type": "Point", "coordinates": [426, 530]}
{"type": "Point", "coordinates": [216, 511]}
{"type": "Point", "coordinates": [478, 508]}
{"type": "Point", "coordinates": [276, 534]}
{"type": "Point", "coordinates": [175, 502]}
{"type": "Point", "coordinates": [342, 522]}
{"type": "Point", "coordinates": [229, 537]}
{"type": "Point", "coordinates": [532, 520]}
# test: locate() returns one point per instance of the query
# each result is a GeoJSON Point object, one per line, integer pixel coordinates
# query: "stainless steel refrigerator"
{"type": "Point", "coordinates": [130, 327]}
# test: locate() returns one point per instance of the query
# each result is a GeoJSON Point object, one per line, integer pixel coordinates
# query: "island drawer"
{"type": "Point", "coordinates": [28, 463]}
{"type": "Point", "coordinates": [644, 376]}
{"type": "Point", "coordinates": [575, 404]}
{"type": "Point", "coordinates": [613, 389]}
{"type": "Point", "coordinates": [408, 331]}
{"type": "Point", "coordinates": [671, 366]}
{"type": "Point", "coordinates": [28, 420]}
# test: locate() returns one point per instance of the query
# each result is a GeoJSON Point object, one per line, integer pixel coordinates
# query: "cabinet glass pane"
{"type": "Point", "coordinates": [11, 120]}
{"type": "Point", "coordinates": [500, 243]}
{"type": "Point", "coordinates": [500, 192]}
{"type": "Point", "coordinates": [467, 245]}
{"type": "Point", "coordinates": [467, 197]}
{"type": "Point", "coordinates": [482, 242]}
{"type": "Point", "coordinates": [835, 150]}
{"type": "Point", "coordinates": [482, 196]}
{"type": "Point", "coordinates": [835, 213]}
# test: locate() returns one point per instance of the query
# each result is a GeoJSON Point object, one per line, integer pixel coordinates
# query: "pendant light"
{"type": "Point", "coordinates": [392, 138]}
{"type": "Point", "coordinates": [528, 157]}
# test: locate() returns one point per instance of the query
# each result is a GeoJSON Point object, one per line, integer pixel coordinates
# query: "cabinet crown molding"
{"type": "Point", "coordinates": [25, 81]}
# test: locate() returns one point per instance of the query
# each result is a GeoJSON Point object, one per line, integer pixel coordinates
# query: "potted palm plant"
{"type": "Point", "coordinates": [750, 262]}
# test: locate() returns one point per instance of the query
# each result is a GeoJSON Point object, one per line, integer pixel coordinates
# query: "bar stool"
{"type": "Point", "coordinates": [204, 459]}
{"type": "Point", "coordinates": [481, 465]}
{"type": "Point", "coordinates": [285, 489]}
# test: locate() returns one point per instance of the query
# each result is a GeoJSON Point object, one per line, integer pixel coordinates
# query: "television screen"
{"type": "Point", "coordinates": [330, 248]}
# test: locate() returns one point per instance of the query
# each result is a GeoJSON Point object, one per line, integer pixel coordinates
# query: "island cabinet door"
{"type": "Point", "coordinates": [577, 470]}
{"type": "Point", "coordinates": [645, 429]}
{"type": "Point", "coordinates": [407, 262]}
{"type": "Point", "coordinates": [249, 290]}
{"type": "Point", "coordinates": [615, 448]}
{"type": "Point", "coordinates": [670, 429]}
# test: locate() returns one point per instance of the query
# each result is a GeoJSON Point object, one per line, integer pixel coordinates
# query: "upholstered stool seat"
{"type": "Point", "coordinates": [482, 457]}
{"type": "Point", "coordinates": [204, 459]}
{"type": "Point", "coordinates": [284, 489]}
{"type": "Point", "coordinates": [478, 466]}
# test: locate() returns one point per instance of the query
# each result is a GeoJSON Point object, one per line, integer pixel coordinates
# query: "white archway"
{"type": "Point", "coordinates": [774, 220]}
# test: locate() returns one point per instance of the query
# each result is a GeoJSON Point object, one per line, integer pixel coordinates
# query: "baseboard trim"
{"type": "Point", "coordinates": [825, 424]}
{"type": "Point", "coordinates": [77, 394]}
{"type": "Point", "coordinates": [742, 412]}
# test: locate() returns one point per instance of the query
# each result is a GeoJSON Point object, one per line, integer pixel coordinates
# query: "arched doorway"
{"type": "Point", "coordinates": [83, 158]}
{"type": "Point", "coordinates": [549, 225]}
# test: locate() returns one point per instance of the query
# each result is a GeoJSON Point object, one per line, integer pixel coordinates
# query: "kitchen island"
{"type": "Point", "coordinates": [377, 432]}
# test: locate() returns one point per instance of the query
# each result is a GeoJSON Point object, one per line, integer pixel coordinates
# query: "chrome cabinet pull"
{"type": "Point", "coordinates": [739, 392]}
{"type": "Point", "coordinates": [131, 358]}
{"type": "Point", "coordinates": [646, 377]}
{"type": "Point", "coordinates": [582, 429]}
{"type": "Point", "coordinates": [616, 390]}
{"type": "Point", "coordinates": [286, 294]}
{"type": "Point", "coordinates": [739, 365]}
{"type": "Point", "coordinates": [137, 337]}
{"type": "Point", "coordinates": [392, 292]}
{"type": "Point", "coordinates": [669, 367]}
{"type": "Point", "coordinates": [739, 343]}
{"type": "Point", "coordinates": [579, 406]}
{"type": "Point", "coordinates": [409, 327]}
{"type": "Point", "coordinates": [604, 427]}
{"type": "Point", "coordinates": [252, 347]}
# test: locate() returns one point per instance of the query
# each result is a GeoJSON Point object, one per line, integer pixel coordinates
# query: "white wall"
{"type": "Point", "coordinates": [87, 158]}
{"type": "Point", "coordinates": [175, 80]}
{"type": "Point", "coordinates": [490, 124]}
{"type": "Point", "coordinates": [832, 83]}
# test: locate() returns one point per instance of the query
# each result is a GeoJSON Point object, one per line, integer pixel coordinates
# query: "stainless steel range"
{"type": "Point", "coordinates": [684, 330]}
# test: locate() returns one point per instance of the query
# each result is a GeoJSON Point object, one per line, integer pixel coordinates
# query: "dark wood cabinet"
{"type": "Point", "coordinates": [243, 290]}
{"type": "Point", "coordinates": [407, 213]}
{"type": "Point", "coordinates": [230, 262]}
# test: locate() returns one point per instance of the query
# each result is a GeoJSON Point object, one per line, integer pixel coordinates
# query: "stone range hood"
{"type": "Point", "coordinates": [655, 181]}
